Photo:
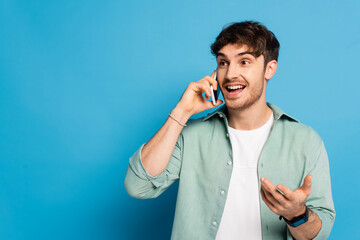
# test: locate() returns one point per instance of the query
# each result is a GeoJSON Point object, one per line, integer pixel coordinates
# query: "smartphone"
{"type": "Point", "coordinates": [214, 93]}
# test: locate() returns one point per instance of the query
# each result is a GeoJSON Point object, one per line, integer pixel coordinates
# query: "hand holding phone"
{"type": "Point", "coordinates": [192, 101]}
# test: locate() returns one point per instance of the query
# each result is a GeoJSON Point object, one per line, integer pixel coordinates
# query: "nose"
{"type": "Point", "coordinates": [233, 72]}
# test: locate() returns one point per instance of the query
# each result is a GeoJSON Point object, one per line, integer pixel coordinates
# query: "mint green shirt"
{"type": "Point", "coordinates": [202, 162]}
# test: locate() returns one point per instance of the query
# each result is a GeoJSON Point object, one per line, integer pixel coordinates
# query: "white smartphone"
{"type": "Point", "coordinates": [214, 93]}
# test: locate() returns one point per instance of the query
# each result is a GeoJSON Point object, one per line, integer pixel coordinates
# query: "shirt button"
{"type": "Point", "coordinates": [214, 223]}
{"type": "Point", "coordinates": [222, 192]}
{"type": "Point", "coordinates": [221, 116]}
{"type": "Point", "coordinates": [227, 134]}
{"type": "Point", "coordinates": [229, 163]}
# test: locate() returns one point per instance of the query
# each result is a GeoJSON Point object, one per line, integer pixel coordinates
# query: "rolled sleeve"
{"type": "Point", "coordinates": [320, 200]}
{"type": "Point", "coordinates": [327, 221]}
{"type": "Point", "coordinates": [141, 184]}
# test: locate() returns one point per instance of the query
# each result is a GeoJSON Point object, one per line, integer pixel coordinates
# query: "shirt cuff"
{"type": "Point", "coordinates": [327, 222]}
{"type": "Point", "coordinates": [139, 169]}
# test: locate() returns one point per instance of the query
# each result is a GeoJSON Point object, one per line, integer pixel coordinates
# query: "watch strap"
{"type": "Point", "coordinates": [297, 221]}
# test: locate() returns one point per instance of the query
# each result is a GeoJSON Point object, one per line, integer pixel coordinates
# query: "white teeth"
{"type": "Point", "coordinates": [235, 87]}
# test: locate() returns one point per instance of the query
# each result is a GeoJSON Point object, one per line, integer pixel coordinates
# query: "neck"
{"type": "Point", "coordinates": [250, 118]}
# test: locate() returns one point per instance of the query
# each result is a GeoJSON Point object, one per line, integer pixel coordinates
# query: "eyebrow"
{"type": "Point", "coordinates": [220, 54]}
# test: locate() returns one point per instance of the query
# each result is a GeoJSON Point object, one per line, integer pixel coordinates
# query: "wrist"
{"type": "Point", "coordinates": [301, 211]}
{"type": "Point", "coordinates": [297, 220]}
{"type": "Point", "coordinates": [180, 114]}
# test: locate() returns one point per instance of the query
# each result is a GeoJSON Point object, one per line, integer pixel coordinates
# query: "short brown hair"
{"type": "Point", "coordinates": [253, 34]}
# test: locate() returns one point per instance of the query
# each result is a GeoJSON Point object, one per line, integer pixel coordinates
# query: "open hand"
{"type": "Point", "coordinates": [290, 204]}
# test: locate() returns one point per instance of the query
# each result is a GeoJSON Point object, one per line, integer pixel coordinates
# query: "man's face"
{"type": "Point", "coordinates": [240, 76]}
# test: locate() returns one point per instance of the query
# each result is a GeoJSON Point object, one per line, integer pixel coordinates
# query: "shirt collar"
{"type": "Point", "coordinates": [278, 113]}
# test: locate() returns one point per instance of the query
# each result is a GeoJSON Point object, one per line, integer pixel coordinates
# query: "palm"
{"type": "Point", "coordinates": [288, 203]}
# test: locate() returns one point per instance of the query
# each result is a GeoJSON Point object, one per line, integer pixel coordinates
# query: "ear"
{"type": "Point", "coordinates": [270, 69]}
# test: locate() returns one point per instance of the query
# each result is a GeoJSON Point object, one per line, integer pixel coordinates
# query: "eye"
{"type": "Point", "coordinates": [222, 63]}
{"type": "Point", "coordinates": [244, 62]}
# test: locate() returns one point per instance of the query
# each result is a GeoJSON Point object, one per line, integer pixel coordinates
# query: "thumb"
{"type": "Point", "coordinates": [219, 102]}
{"type": "Point", "coordinates": [209, 104]}
{"type": "Point", "coordinates": [306, 187]}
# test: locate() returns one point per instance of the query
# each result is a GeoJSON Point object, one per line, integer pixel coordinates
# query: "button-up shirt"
{"type": "Point", "coordinates": [202, 161]}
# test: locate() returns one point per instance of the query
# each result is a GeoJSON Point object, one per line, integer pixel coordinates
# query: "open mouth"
{"type": "Point", "coordinates": [235, 89]}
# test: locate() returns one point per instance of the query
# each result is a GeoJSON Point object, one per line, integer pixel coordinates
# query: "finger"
{"type": "Point", "coordinates": [267, 202]}
{"type": "Point", "coordinates": [212, 80]}
{"type": "Point", "coordinates": [205, 87]}
{"type": "Point", "coordinates": [271, 189]}
{"type": "Point", "coordinates": [306, 187]}
{"type": "Point", "coordinates": [200, 89]}
{"type": "Point", "coordinates": [265, 198]}
{"type": "Point", "coordinates": [269, 186]}
{"type": "Point", "coordinates": [287, 192]}
{"type": "Point", "coordinates": [271, 199]}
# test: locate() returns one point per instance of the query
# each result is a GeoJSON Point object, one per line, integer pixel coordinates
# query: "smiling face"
{"type": "Point", "coordinates": [242, 76]}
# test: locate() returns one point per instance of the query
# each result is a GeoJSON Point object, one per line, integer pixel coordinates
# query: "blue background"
{"type": "Point", "coordinates": [84, 83]}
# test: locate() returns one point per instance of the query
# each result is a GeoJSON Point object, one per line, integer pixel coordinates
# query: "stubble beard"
{"type": "Point", "coordinates": [252, 97]}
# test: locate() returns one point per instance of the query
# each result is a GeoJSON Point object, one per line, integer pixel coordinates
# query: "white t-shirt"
{"type": "Point", "coordinates": [241, 218]}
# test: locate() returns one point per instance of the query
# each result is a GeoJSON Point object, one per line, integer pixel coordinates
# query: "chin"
{"type": "Point", "coordinates": [240, 104]}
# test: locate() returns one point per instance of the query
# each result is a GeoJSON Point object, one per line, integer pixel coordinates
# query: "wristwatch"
{"type": "Point", "coordinates": [297, 221]}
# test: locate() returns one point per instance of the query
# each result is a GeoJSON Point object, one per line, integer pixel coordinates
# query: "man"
{"type": "Point", "coordinates": [246, 171]}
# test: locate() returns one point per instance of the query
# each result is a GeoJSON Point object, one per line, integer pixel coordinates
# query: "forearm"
{"type": "Point", "coordinates": [157, 152]}
{"type": "Point", "coordinates": [307, 230]}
